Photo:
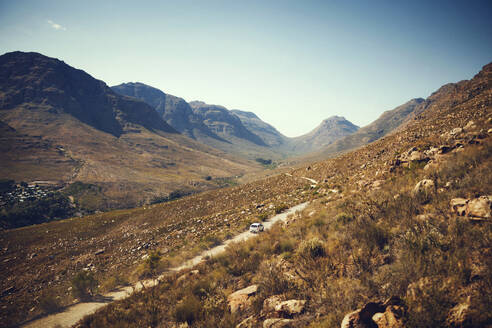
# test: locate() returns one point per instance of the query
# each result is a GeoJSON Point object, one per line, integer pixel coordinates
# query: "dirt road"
{"type": "Point", "coordinates": [72, 314]}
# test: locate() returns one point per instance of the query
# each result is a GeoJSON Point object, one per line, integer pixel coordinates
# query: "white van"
{"type": "Point", "coordinates": [256, 227]}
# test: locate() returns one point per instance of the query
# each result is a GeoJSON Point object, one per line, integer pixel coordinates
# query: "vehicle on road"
{"type": "Point", "coordinates": [256, 227]}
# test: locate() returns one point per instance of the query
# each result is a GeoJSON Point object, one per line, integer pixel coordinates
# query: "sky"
{"type": "Point", "coordinates": [293, 63]}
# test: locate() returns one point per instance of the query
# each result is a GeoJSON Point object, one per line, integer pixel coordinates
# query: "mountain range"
{"type": "Point", "coordinates": [237, 130]}
{"type": "Point", "coordinates": [138, 143]}
{"type": "Point", "coordinates": [67, 126]}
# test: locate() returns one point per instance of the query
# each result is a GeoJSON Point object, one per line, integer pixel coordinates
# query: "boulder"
{"type": "Point", "coordinates": [270, 303]}
{"type": "Point", "coordinates": [425, 185]}
{"type": "Point", "coordinates": [388, 314]}
{"type": "Point", "coordinates": [391, 318]}
{"type": "Point", "coordinates": [475, 208]}
{"type": "Point", "coordinates": [277, 323]}
{"type": "Point", "coordinates": [241, 299]}
{"type": "Point", "coordinates": [291, 307]}
{"type": "Point", "coordinates": [480, 207]}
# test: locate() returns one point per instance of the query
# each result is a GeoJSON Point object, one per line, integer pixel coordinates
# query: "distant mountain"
{"type": "Point", "coordinates": [52, 85]}
{"type": "Point", "coordinates": [224, 123]}
{"type": "Point", "coordinates": [265, 131]}
{"type": "Point", "coordinates": [174, 110]}
{"type": "Point", "coordinates": [330, 130]}
{"type": "Point", "coordinates": [386, 123]}
{"type": "Point", "coordinates": [58, 123]}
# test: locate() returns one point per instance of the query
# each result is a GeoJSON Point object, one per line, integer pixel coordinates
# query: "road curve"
{"type": "Point", "coordinates": [72, 314]}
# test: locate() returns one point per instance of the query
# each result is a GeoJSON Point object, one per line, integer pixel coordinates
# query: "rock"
{"type": "Point", "coordinates": [277, 323]}
{"type": "Point", "coordinates": [480, 207]}
{"type": "Point", "coordinates": [391, 318]}
{"type": "Point", "coordinates": [99, 251]}
{"type": "Point", "coordinates": [187, 275]}
{"type": "Point", "coordinates": [389, 314]}
{"type": "Point", "coordinates": [425, 185]}
{"type": "Point", "coordinates": [417, 156]}
{"type": "Point", "coordinates": [249, 322]}
{"type": "Point", "coordinates": [458, 205]}
{"type": "Point", "coordinates": [270, 303]}
{"type": "Point", "coordinates": [469, 126]}
{"type": "Point", "coordinates": [291, 307]}
{"type": "Point", "coordinates": [377, 184]}
{"type": "Point", "coordinates": [240, 299]}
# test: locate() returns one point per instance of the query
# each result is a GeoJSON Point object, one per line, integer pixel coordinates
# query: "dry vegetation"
{"type": "Point", "coordinates": [39, 262]}
{"type": "Point", "coordinates": [369, 236]}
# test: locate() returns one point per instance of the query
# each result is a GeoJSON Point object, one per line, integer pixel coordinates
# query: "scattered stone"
{"type": "Point", "coordinates": [271, 302]}
{"type": "Point", "coordinates": [469, 126]}
{"type": "Point", "coordinates": [480, 207]}
{"type": "Point", "coordinates": [377, 184]}
{"type": "Point", "coordinates": [240, 299]}
{"type": "Point", "coordinates": [291, 307]}
{"type": "Point", "coordinates": [389, 314]}
{"type": "Point", "coordinates": [458, 205]}
{"type": "Point", "coordinates": [425, 185]}
{"type": "Point", "coordinates": [187, 275]}
{"type": "Point", "coordinates": [477, 208]}
{"type": "Point", "coordinates": [277, 323]}
{"type": "Point", "coordinates": [249, 322]}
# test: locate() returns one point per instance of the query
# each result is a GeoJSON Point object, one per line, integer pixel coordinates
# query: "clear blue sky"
{"type": "Point", "coordinates": [293, 63]}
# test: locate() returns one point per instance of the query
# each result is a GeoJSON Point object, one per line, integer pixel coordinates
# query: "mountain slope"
{"type": "Point", "coordinates": [372, 233]}
{"type": "Point", "coordinates": [385, 124]}
{"type": "Point", "coordinates": [71, 127]}
{"type": "Point", "coordinates": [31, 78]}
{"type": "Point", "coordinates": [174, 110]}
{"type": "Point", "coordinates": [265, 131]}
{"type": "Point", "coordinates": [330, 130]}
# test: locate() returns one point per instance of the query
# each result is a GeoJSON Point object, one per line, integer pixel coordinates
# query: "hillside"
{"type": "Point", "coordinates": [329, 131]}
{"type": "Point", "coordinates": [398, 236]}
{"type": "Point", "coordinates": [385, 124]}
{"type": "Point", "coordinates": [59, 124]}
{"type": "Point", "coordinates": [265, 131]}
{"type": "Point", "coordinates": [175, 111]}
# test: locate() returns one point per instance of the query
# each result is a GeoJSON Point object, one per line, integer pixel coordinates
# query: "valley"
{"type": "Point", "coordinates": [370, 218]}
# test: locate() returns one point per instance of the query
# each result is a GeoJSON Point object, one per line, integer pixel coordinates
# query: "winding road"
{"type": "Point", "coordinates": [72, 314]}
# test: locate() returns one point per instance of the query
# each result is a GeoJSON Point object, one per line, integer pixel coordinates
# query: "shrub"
{"type": "Point", "coordinates": [280, 208]}
{"type": "Point", "coordinates": [49, 303]}
{"type": "Point", "coordinates": [263, 217]}
{"type": "Point", "coordinates": [311, 248]}
{"type": "Point", "coordinates": [344, 218]}
{"type": "Point", "coordinates": [84, 285]}
{"type": "Point", "coordinates": [189, 310]}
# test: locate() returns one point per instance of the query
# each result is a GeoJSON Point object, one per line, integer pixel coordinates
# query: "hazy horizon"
{"type": "Point", "coordinates": [293, 64]}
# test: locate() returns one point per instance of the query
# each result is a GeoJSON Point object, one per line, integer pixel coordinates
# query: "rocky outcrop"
{"type": "Point", "coordinates": [241, 299]}
{"type": "Point", "coordinates": [388, 314]}
{"type": "Point", "coordinates": [476, 208]}
{"type": "Point", "coordinates": [290, 307]}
